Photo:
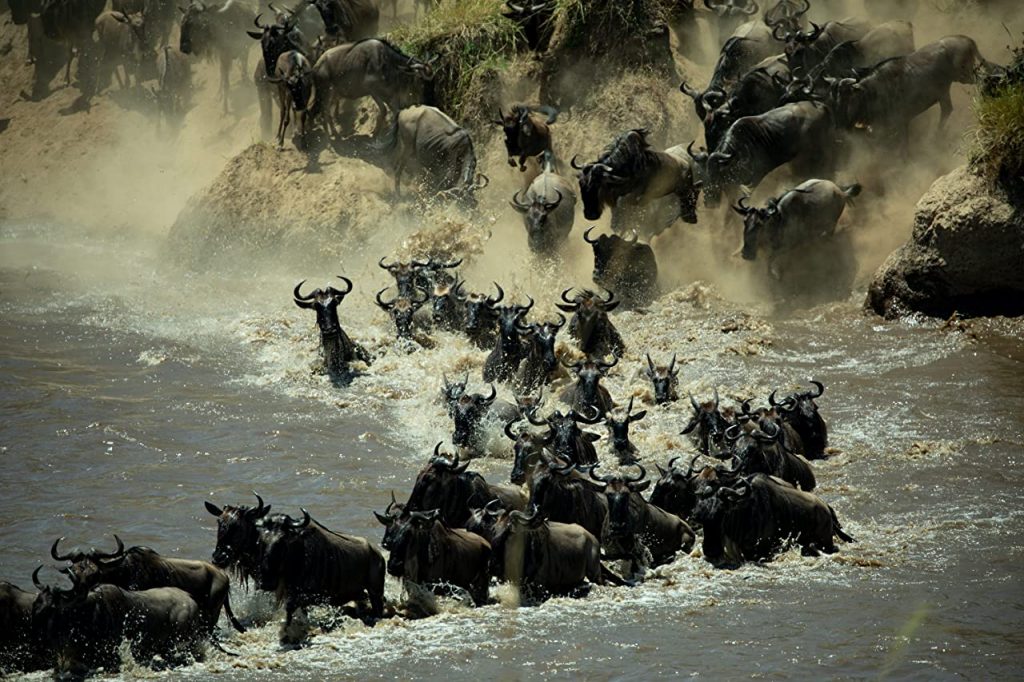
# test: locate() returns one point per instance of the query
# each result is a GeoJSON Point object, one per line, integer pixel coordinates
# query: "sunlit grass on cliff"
{"type": "Point", "coordinates": [999, 135]}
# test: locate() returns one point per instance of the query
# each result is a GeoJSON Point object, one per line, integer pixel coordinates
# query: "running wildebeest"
{"type": "Point", "coordinates": [337, 349]}
{"type": "Point", "coordinates": [549, 209]}
{"type": "Point", "coordinates": [664, 380]}
{"type": "Point", "coordinates": [590, 326]}
{"type": "Point", "coordinates": [624, 265]}
{"type": "Point", "coordinates": [217, 33]}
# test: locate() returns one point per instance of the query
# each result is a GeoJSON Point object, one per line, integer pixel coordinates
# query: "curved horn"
{"type": "Point", "coordinates": [690, 469]}
{"type": "Point", "coordinates": [751, 9]}
{"type": "Point", "coordinates": [338, 292]}
{"type": "Point", "coordinates": [821, 389]}
{"type": "Point", "coordinates": [637, 479]}
{"type": "Point", "coordinates": [672, 365]}
{"type": "Point", "coordinates": [490, 399]}
{"type": "Point", "coordinates": [586, 235]}
{"type": "Point", "coordinates": [574, 164]}
{"type": "Point", "coordinates": [551, 206]}
{"type": "Point", "coordinates": [501, 295]}
{"type": "Point", "coordinates": [715, 389]}
{"type": "Point", "coordinates": [771, 398]}
{"type": "Point", "coordinates": [508, 429]}
{"type": "Point", "coordinates": [261, 510]}
{"type": "Point", "coordinates": [518, 204]}
{"type": "Point", "coordinates": [523, 309]}
{"type": "Point", "coordinates": [536, 422]}
{"type": "Point", "coordinates": [635, 239]}
{"type": "Point", "coordinates": [256, 21]}
{"type": "Point", "coordinates": [382, 264]}
{"type": "Point", "coordinates": [299, 525]}
{"type": "Point", "coordinates": [117, 552]}
{"type": "Point", "coordinates": [565, 295]}
{"type": "Point", "coordinates": [779, 33]}
{"type": "Point", "coordinates": [391, 504]}
{"type": "Point", "coordinates": [385, 305]}
{"type": "Point", "coordinates": [606, 478]}
{"type": "Point", "coordinates": [694, 403]}
{"type": "Point", "coordinates": [298, 296]}
{"type": "Point", "coordinates": [733, 432]}
{"type": "Point", "coordinates": [55, 555]}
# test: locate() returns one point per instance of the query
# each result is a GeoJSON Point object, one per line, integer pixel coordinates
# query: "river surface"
{"type": "Point", "coordinates": [131, 392]}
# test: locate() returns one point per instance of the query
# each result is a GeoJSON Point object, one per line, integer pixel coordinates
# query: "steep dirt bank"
{"type": "Point", "coordinates": [965, 254]}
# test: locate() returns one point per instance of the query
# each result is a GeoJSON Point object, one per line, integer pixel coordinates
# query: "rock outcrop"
{"type": "Point", "coordinates": [966, 254]}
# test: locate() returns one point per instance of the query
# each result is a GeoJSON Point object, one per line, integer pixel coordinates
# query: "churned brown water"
{"type": "Point", "coordinates": [131, 392]}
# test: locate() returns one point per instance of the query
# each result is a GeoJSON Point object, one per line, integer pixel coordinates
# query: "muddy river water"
{"type": "Point", "coordinates": [131, 392]}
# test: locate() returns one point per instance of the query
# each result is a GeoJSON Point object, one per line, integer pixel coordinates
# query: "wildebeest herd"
{"type": "Point", "coordinates": [784, 92]}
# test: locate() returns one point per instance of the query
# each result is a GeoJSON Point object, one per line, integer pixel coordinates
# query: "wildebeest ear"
{"type": "Point", "coordinates": [611, 306]}
{"type": "Point", "coordinates": [592, 437]}
{"type": "Point", "coordinates": [566, 308]}
{"type": "Point", "coordinates": [641, 486]}
{"type": "Point", "coordinates": [213, 509]}
{"type": "Point", "coordinates": [255, 35]}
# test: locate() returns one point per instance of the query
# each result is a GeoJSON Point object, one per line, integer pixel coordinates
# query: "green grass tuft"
{"type": "Point", "coordinates": [999, 136]}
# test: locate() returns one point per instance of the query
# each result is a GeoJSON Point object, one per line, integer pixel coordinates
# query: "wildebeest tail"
{"type": "Point", "coordinates": [231, 616]}
{"type": "Point", "coordinates": [851, 191]}
{"type": "Point", "coordinates": [838, 528]}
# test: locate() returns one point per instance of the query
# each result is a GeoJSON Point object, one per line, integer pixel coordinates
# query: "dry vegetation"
{"type": "Point", "coordinates": [999, 143]}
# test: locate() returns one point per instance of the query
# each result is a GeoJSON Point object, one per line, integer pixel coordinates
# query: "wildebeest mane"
{"type": "Point", "coordinates": [629, 154]}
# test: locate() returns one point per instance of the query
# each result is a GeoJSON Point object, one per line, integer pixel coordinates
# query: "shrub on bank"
{"type": "Point", "coordinates": [999, 138]}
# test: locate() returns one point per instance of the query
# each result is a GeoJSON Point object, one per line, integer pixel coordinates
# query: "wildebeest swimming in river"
{"type": "Point", "coordinates": [337, 348]}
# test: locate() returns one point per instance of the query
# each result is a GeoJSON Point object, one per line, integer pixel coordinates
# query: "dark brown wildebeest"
{"type": "Point", "coordinates": [628, 173]}
{"type": "Point", "coordinates": [401, 310]}
{"type": "Point", "coordinates": [761, 89]}
{"type": "Point", "coordinates": [549, 211]}
{"type": "Point", "coordinates": [349, 20]}
{"type": "Point", "coordinates": [445, 484]}
{"type": "Point", "coordinates": [124, 41]}
{"type": "Point", "coordinates": [891, 39]}
{"type": "Point", "coordinates": [626, 266]}
{"type": "Point", "coordinates": [481, 325]}
{"type": "Point", "coordinates": [238, 538]}
{"type": "Point", "coordinates": [428, 552]}
{"type": "Point", "coordinates": [469, 412]}
{"type": "Point", "coordinates": [510, 348]}
{"type": "Point", "coordinates": [760, 450]}
{"type": "Point", "coordinates": [731, 14]}
{"type": "Point", "coordinates": [447, 310]}
{"type": "Point", "coordinates": [369, 68]}
{"type": "Point", "coordinates": [587, 395]}
{"type": "Point", "coordinates": [707, 426]}
{"type": "Point", "coordinates": [664, 380]}
{"type": "Point", "coordinates": [72, 22]}
{"type": "Point", "coordinates": [212, 32]}
{"type": "Point", "coordinates": [618, 433]}
{"type": "Point", "coordinates": [416, 273]}
{"type": "Point", "coordinates": [544, 557]}
{"type": "Point", "coordinates": [304, 563]}
{"type": "Point", "coordinates": [540, 366]}
{"type": "Point", "coordinates": [427, 139]}
{"type": "Point", "coordinates": [294, 78]}
{"type": "Point", "coordinates": [141, 568]}
{"type": "Point", "coordinates": [337, 349]}
{"type": "Point", "coordinates": [275, 40]}
{"type": "Point", "coordinates": [801, 412]}
{"type": "Point", "coordinates": [790, 439]}
{"type": "Point", "coordinates": [173, 91]}
{"type": "Point", "coordinates": [752, 520]}
{"type": "Point", "coordinates": [562, 494]}
{"type": "Point", "coordinates": [535, 19]}
{"type": "Point", "coordinates": [565, 437]}
{"type": "Point", "coordinates": [527, 135]}
{"type": "Point", "coordinates": [21, 648]}
{"type": "Point", "coordinates": [528, 454]}
{"type": "Point", "coordinates": [806, 49]}
{"type": "Point", "coordinates": [87, 628]}
{"type": "Point", "coordinates": [675, 491]}
{"type": "Point", "coordinates": [590, 325]}
{"type": "Point", "coordinates": [639, 531]}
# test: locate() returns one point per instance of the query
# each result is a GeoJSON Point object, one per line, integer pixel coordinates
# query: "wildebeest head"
{"type": "Point", "coordinates": [711, 510]}
{"type": "Point", "coordinates": [402, 310]}
{"type": "Point", "coordinates": [487, 521]}
{"type": "Point", "coordinates": [758, 224]}
{"type": "Point", "coordinates": [276, 39]}
{"type": "Point", "coordinates": [437, 483]}
{"type": "Point", "coordinates": [564, 432]}
{"type": "Point", "coordinates": [618, 432]}
{"type": "Point", "coordinates": [755, 444]}
{"type": "Point", "coordinates": [534, 16]}
{"type": "Point", "coordinates": [605, 246]}
{"type": "Point", "coordinates": [590, 313]}
{"type": "Point", "coordinates": [394, 517]}
{"type": "Point", "coordinates": [451, 391]}
{"type": "Point", "coordinates": [53, 609]}
{"type": "Point", "coordinates": [197, 29]}
{"type": "Point", "coordinates": [588, 380]}
{"type": "Point", "coordinates": [701, 171]}
{"type": "Point", "coordinates": [237, 534]}
{"type": "Point", "coordinates": [674, 491]}
{"type": "Point", "coordinates": [525, 135]}
{"type": "Point", "coordinates": [408, 276]}
{"type": "Point", "coordinates": [527, 449]}
{"type": "Point", "coordinates": [87, 568]}
{"type": "Point", "coordinates": [665, 381]}
{"type": "Point", "coordinates": [542, 338]}
{"type": "Point", "coordinates": [801, 53]}
{"type": "Point", "coordinates": [622, 517]}
{"type": "Point", "coordinates": [509, 318]}
{"type": "Point", "coordinates": [537, 213]}
{"type": "Point", "coordinates": [279, 534]}
{"type": "Point", "coordinates": [623, 163]}
{"type": "Point", "coordinates": [801, 410]}
{"type": "Point", "coordinates": [415, 523]}
{"type": "Point", "coordinates": [709, 423]}
{"type": "Point", "coordinates": [325, 303]}
{"type": "Point", "coordinates": [447, 309]}
{"type": "Point", "coordinates": [470, 410]}
{"type": "Point", "coordinates": [480, 316]}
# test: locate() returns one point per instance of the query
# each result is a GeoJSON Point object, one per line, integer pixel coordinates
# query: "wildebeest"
{"type": "Point", "coordinates": [590, 325]}
{"type": "Point", "coordinates": [394, 517]}
{"type": "Point", "coordinates": [305, 563]}
{"type": "Point", "coordinates": [545, 557]}
{"type": "Point", "coordinates": [639, 531]}
{"type": "Point", "coordinates": [447, 310]}
{"type": "Point", "coordinates": [451, 391]}
{"type": "Point", "coordinates": [806, 49]}
{"type": "Point", "coordinates": [549, 210]}
{"type": "Point", "coordinates": [173, 91]}
{"type": "Point", "coordinates": [674, 490]}
{"type": "Point", "coordinates": [86, 628]}
{"type": "Point", "coordinates": [469, 412]}
{"type": "Point", "coordinates": [369, 68]}
{"type": "Point", "coordinates": [664, 380]}
{"type": "Point", "coordinates": [445, 484]}
{"type": "Point", "coordinates": [563, 494]}
{"type": "Point", "coordinates": [527, 135]}
{"type": "Point", "coordinates": [402, 309]}
{"type": "Point", "coordinates": [428, 139]}
{"type": "Point", "coordinates": [891, 39]}
{"type": "Point", "coordinates": [426, 551]}
{"type": "Point", "coordinates": [795, 220]}
{"type": "Point", "coordinates": [730, 14]}
{"type": "Point", "coordinates": [141, 568]}
{"type": "Point", "coordinates": [21, 649]}
{"type": "Point", "coordinates": [753, 519]}
{"type": "Point", "coordinates": [71, 22]}
{"type": "Point", "coordinates": [502, 362]}
{"type": "Point", "coordinates": [707, 426]}
{"type": "Point", "coordinates": [535, 19]}
{"type": "Point", "coordinates": [891, 94]}
{"type": "Point", "coordinates": [587, 395]}
{"type": "Point", "coordinates": [760, 90]}
{"type": "Point", "coordinates": [760, 449]}
{"type": "Point", "coordinates": [349, 20]}
{"type": "Point", "coordinates": [629, 173]}
{"type": "Point", "coordinates": [238, 539]}
{"type": "Point", "coordinates": [618, 433]}
{"type": "Point", "coordinates": [540, 364]}
{"type": "Point", "coordinates": [624, 265]}
{"type": "Point", "coordinates": [528, 453]}
{"type": "Point", "coordinates": [801, 412]}
{"type": "Point", "coordinates": [481, 322]}
{"type": "Point", "coordinates": [567, 440]}
{"type": "Point", "coordinates": [294, 78]}
{"type": "Point", "coordinates": [415, 274]}
{"type": "Point", "coordinates": [337, 349]}
{"type": "Point", "coordinates": [800, 134]}
{"type": "Point", "coordinates": [275, 40]}
{"type": "Point", "coordinates": [123, 41]}
{"type": "Point", "coordinates": [217, 33]}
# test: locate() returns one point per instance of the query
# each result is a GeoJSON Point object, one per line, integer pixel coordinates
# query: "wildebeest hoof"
{"type": "Point", "coordinates": [512, 162]}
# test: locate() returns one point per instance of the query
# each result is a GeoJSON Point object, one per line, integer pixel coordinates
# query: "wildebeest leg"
{"type": "Point", "coordinates": [945, 109]}
{"type": "Point", "coordinates": [382, 115]}
{"type": "Point", "coordinates": [282, 126]}
{"type": "Point", "coordinates": [225, 76]}
{"type": "Point", "coordinates": [399, 167]}
{"type": "Point", "coordinates": [67, 71]}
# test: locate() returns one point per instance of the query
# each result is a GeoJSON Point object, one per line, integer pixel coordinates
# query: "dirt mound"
{"type": "Point", "coordinates": [265, 200]}
{"type": "Point", "coordinates": [964, 256]}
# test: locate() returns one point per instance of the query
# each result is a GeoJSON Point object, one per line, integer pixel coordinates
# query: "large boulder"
{"type": "Point", "coordinates": [966, 254]}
